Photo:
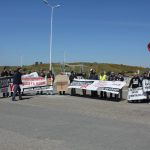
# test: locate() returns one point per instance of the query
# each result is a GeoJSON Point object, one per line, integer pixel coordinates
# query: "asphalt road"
{"type": "Point", "coordinates": [73, 123]}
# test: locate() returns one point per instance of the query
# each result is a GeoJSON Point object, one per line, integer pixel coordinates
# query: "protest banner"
{"type": "Point", "coordinates": [80, 83]}
{"type": "Point", "coordinates": [107, 86]}
{"type": "Point", "coordinates": [31, 83]}
{"type": "Point", "coordinates": [31, 75]}
{"type": "Point", "coordinates": [47, 89]}
{"type": "Point", "coordinates": [146, 85]}
{"type": "Point", "coordinates": [97, 85]}
{"type": "Point", "coordinates": [4, 84]}
{"type": "Point", "coordinates": [136, 94]}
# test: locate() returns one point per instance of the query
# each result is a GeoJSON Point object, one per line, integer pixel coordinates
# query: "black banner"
{"type": "Point", "coordinates": [4, 81]}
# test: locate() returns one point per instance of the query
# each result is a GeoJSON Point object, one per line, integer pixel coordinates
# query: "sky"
{"type": "Point", "coordinates": [102, 31]}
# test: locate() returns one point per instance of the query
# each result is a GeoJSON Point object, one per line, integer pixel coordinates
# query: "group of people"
{"type": "Point", "coordinates": [6, 72]}
{"type": "Point", "coordinates": [17, 81]}
{"type": "Point", "coordinates": [104, 77]}
{"type": "Point", "coordinates": [135, 82]}
{"type": "Point", "coordinates": [16, 76]}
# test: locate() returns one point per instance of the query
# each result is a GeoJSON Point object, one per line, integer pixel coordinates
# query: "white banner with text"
{"type": "Point", "coordinates": [136, 94]}
{"type": "Point", "coordinates": [146, 85]}
{"type": "Point", "coordinates": [97, 85]}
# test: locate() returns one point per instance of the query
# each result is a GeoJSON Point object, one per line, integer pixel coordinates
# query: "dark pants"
{"type": "Point", "coordinates": [148, 94]}
{"type": "Point", "coordinates": [113, 96]}
{"type": "Point", "coordinates": [103, 94]}
{"type": "Point", "coordinates": [16, 89]}
{"type": "Point", "coordinates": [84, 92]}
{"type": "Point", "coordinates": [94, 93]}
{"type": "Point", "coordinates": [61, 92]}
{"type": "Point", "coordinates": [73, 91]}
{"type": "Point", "coordinates": [120, 91]}
{"type": "Point", "coordinates": [119, 96]}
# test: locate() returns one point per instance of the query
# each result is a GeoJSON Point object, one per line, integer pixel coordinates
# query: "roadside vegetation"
{"type": "Point", "coordinates": [82, 67]}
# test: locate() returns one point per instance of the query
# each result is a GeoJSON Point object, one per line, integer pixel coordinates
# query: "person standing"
{"type": "Point", "coordinates": [16, 83]}
{"type": "Point", "coordinates": [10, 73]}
{"type": "Point", "coordinates": [71, 78]}
{"type": "Point", "coordinates": [51, 76]}
{"type": "Point", "coordinates": [102, 77]}
{"type": "Point", "coordinates": [119, 77]}
{"type": "Point", "coordinates": [135, 81]}
{"type": "Point", "coordinates": [93, 76]}
{"type": "Point", "coordinates": [4, 73]}
{"type": "Point", "coordinates": [50, 81]}
{"type": "Point", "coordinates": [112, 77]}
{"type": "Point", "coordinates": [146, 77]}
{"type": "Point", "coordinates": [42, 73]}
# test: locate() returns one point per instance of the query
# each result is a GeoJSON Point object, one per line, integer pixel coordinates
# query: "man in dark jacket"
{"type": "Point", "coordinates": [71, 78]}
{"type": "Point", "coordinates": [135, 81]}
{"type": "Point", "coordinates": [16, 82]}
{"type": "Point", "coordinates": [93, 76]}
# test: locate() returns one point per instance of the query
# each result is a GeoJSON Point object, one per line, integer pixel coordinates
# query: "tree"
{"type": "Point", "coordinates": [36, 63]}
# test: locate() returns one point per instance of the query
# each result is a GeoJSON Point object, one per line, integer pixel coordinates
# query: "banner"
{"type": "Point", "coordinates": [97, 85]}
{"type": "Point", "coordinates": [107, 86]}
{"type": "Point", "coordinates": [31, 83]}
{"type": "Point", "coordinates": [136, 94]}
{"type": "Point", "coordinates": [80, 83]}
{"type": "Point", "coordinates": [4, 84]}
{"type": "Point", "coordinates": [31, 75]}
{"type": "Point", "coordinates": [38, 88]}
{"type": "Point", "coordinates": [146, 85]}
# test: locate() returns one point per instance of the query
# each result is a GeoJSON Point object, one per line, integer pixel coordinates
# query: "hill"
{"type": "Point", "coordinates": [82, 67]}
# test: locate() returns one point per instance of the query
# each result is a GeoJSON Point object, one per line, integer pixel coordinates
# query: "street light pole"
{"type": "Point", "coordinates": [21, 60]}
{"type": "Point", "coordinates": [51, 37]}
{"type": "Point", "coordinates": [51, 32]}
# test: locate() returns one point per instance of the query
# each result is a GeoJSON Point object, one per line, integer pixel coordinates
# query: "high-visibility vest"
{"type": "Point", "coordinates": [103, 78]}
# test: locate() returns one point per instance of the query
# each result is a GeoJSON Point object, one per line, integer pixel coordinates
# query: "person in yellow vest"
{"type": "Point", "coordinates": [103, 77]}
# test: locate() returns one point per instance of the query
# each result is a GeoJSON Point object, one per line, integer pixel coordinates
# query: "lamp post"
{"type": "Point", "coordinates": [51, 31]}
{"type": "Point", "coordinates": [21, 61]}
